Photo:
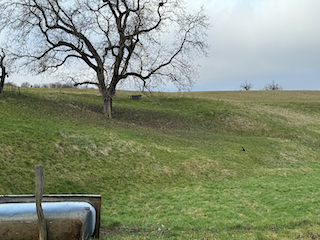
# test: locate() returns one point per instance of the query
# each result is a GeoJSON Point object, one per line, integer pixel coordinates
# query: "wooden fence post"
{"type": "Point", "coordinates": [39, 191]}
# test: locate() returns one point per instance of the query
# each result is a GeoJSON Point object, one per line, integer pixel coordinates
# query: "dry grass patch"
{"type": "Point", "coordinates": [194, 212]}
{"type": "Point", "coordinates": [169, 171]}
{"type": "Point", "coordinates": [200, 166]}
{"type": "Point", "coordinates": [293, 117]}
{"type": "Point", "coordinates": [243, 123]}
{"type": "Point", "coordinates": [255, 96]}
{"type": "Point", "coordinates": [226, 172]}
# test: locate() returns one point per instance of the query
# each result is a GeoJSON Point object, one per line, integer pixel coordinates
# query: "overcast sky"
{"type": "Point", "coordinates": [259, 41]}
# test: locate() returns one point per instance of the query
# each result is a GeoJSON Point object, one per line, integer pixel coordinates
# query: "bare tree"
{"type": "Point", "coordinates": [273, 86]}
{"type": "Point", "coordinates": [25, 84]}
{"type": "Point", "coordinates": [246, 86]}
{"type": "Point", "coordinates": [145, 41]}
{"type": "Point", "coordinates": [4, 74]}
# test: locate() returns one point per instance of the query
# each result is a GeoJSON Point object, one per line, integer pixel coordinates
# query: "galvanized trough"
{"type": "Point", "coordinates": [68, 217]}
{"type": "Point", "coordinates": [135, 97]}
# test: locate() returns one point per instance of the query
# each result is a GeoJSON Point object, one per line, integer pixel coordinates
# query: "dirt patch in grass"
{"type": "Point", "coordinates": [311, 235]}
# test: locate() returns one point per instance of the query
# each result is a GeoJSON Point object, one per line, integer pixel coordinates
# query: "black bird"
{"type": "Point", "coordinates": [243, 149]}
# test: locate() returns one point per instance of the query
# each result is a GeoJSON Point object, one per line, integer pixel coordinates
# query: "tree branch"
{"type": "Point", "coordinates": [82, 83]}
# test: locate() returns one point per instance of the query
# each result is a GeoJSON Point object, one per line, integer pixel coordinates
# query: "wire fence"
{"type": "Point", "coordinates": [62, 89]}
{"type": "Point", "coordinates": [17, 89]}
{"type": "Point", "coordinates": [11, 88]}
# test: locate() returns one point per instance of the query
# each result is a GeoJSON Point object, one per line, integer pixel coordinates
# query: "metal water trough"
{"type": "Point", "coordinates": [135, 97]}
{"type": "Point", "coordinates": [68, 217]}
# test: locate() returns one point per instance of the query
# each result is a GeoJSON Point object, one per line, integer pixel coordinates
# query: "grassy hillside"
{"type": "Point", "coordinates": [171, 166]}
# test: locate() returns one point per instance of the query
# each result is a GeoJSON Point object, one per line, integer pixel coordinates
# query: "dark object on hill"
{"type": "Point", "coordinates": [243, 149]}
{"type": "Point", "coordinates": [134, 97]}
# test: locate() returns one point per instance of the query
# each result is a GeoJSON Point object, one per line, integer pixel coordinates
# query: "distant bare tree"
{"type": "Point", "coordinates": [12, 84]}
{"type": "Point", "coordinates": [4, 74]}
{"type": "Point", "coordinates": [146, 41]}
{"type": "Point", "coordinates": [25, 84]}
{"type": "Point", "coordinates": [273, 86]}
{"type": "Point", "coordinates": [56, 85]}
{"type": "Point", "coordinates": [53, 85]}
{"type": "Point", "coordinates": [246, 86]}
{"type": "Point", "coordinates": [67, 85]}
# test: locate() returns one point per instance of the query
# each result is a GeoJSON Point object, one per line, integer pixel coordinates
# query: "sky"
{"type": "Point", "coordinates": [257, 41]}
{"type": "Point", "coordinates": [260, 41]}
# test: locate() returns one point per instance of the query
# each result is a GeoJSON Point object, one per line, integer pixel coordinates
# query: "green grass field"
{"type": "Point", "coordinates": [171, 165]}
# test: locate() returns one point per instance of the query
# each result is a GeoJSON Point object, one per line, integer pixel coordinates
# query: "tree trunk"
{"type": "Point", "coordinates": [106, 92]}
{"type": "Point", "coordinates": [107, 102]}
{"type": "Point", "coordinates": [107, 105]}
{"type": "Point", "coordinates": [107, 98]}
{"type": "Point", "coordinates": [3, 76]}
